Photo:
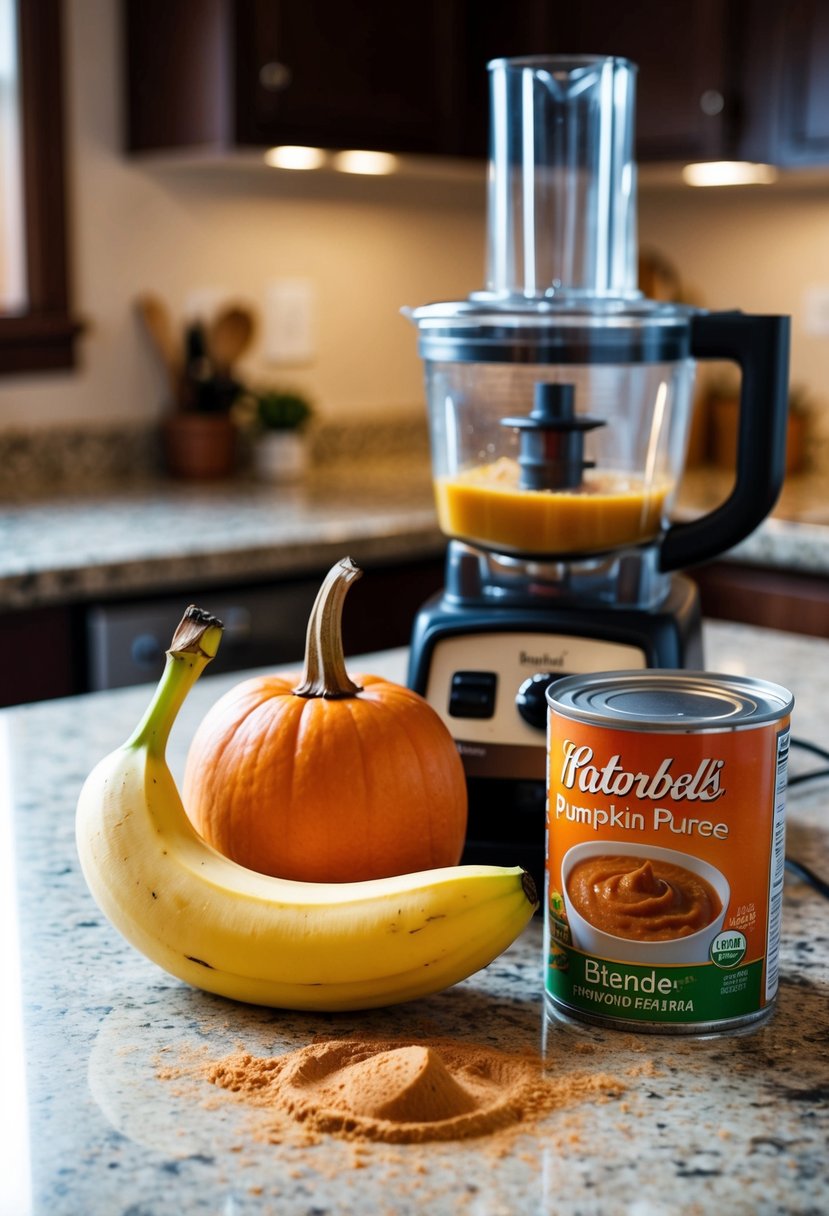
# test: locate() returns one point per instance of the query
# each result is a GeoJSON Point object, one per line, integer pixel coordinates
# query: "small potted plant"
{"type": "Point", "coordinates": [281, 449]}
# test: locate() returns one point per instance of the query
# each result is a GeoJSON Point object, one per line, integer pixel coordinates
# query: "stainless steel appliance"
{"type": "Point", "coordinates": [126, 643]}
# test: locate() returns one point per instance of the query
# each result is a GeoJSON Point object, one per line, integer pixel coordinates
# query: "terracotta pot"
{"type": "Point", "coordinates": [199, 447]}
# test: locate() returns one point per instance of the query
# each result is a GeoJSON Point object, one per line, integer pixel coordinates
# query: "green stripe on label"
{"type": "Point", "coordinates": [692, 993]}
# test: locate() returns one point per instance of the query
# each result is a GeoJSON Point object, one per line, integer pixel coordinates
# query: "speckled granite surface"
{"type": "Point", "coordinates": [795, 537]}
{"type": "Point", "coordinates": [736, 1125]}
{"type": "Point", "coordinates": [135, 532]}
{"type": "Point", "coordinates": [89, 514]}
{"type": "Point", "coordinates": [152, 537]}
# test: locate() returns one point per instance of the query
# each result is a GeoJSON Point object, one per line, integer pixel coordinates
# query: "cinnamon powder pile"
{"type": "Point", "coordinates": [398, 1092]}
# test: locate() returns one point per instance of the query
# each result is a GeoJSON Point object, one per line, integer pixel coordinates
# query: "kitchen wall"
{"type": "Point", "coordinates": [369, 245]}
{"type": "Point", "coordinates": [762, 249]}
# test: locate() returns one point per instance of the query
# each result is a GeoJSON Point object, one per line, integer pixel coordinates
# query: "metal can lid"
{"type": "Point", "coordinates": [668, 700]}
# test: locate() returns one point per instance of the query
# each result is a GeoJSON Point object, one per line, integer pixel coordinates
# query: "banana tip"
{"type": "Point", "coordinates": [529, 887]}
{"type": "Point", "coordinates": [197, 632]}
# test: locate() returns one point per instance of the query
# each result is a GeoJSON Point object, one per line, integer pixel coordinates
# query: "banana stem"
{"type": "Point", "coordinates": [194, 644]}
{"type": "Point", "coordinates": [325, 674]}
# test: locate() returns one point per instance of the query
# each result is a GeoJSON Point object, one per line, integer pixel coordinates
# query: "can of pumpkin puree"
{"type": "Point", "coordinates": [665, 849]}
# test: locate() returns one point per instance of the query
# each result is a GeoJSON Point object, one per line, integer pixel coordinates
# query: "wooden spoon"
{"type": "Point", "coordinates": [229, 336]}
{"type": "Point", "coordinates": [159, 326]}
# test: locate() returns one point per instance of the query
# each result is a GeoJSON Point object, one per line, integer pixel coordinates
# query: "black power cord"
{"type": "Point", "coordinates": [809, 876]}
{"type": "Point", "coordinates": [797, 867]}
{"type": "Point", "coordinates": [815, 750]}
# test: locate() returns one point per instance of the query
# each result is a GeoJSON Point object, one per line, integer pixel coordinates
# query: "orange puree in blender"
{"type": "Point", "coordinates": [607, 511]}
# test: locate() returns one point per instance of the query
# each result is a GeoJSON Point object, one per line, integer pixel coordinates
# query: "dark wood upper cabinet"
{"type": "Point", "coordinates": [496, 29]}
{"type": "Point", "coordinates": [332, 73]}
{"type": "Point", "coordinates": [718, 79]}
{"type": "Point", "coordinates": [799, 66]}
{"type": "Point", "coordinates": [687, 106]}
{"type": "Point", "coordinates": [228, 74]}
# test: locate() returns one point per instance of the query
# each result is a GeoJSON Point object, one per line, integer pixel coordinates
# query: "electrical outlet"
{"type": "Point", "coordinates": [288, 335]}
{"type": "Point", "coordinates": [816, 310]}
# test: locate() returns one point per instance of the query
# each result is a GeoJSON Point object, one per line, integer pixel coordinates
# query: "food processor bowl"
{"type": "Point", "coordinates": [629, 429]}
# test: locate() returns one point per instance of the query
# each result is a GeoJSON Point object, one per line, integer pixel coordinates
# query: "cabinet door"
{"type": "Point", "coordinates": [684, 107]}
{"type": "Point", "coordinates": [802, 41]}
{"type": "Point", "coordinates": [338, 74]}
{"type": "Point", "coordinates": [252, 73]}
{"type": "Point", "coordinates": [497, 29]}
{"type": "Point", "coordinates": [771, 598]}
{"type": "Point", "coordinates": [175, 73]}
{"type": "Point", "coordinates": [688, 89]}
{"type": "Point", "coordinates": [42, 656]}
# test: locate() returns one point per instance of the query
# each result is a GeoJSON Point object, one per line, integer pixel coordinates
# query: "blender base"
{"type": "Point", "coordinates": [485, 670]}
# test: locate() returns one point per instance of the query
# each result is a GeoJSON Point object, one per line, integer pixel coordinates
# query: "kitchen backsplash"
{"type": "Point", "coordinates": [82, 458]}
{"type": "Point", "coordinates": [79, 459]}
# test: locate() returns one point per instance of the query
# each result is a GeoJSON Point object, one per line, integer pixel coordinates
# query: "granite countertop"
{"type": "Point", "coordinates": [794, 537]}
{"type": "Point", "coordinates": [738, 1124]}
{"type": "Point", "coordinates": [156, 535]}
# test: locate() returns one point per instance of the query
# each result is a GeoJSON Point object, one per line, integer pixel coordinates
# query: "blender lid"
{"type": "Point", "coordinates": [483, 329]}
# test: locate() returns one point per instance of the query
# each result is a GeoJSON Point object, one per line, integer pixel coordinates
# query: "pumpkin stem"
{"type": "Point", "coordinates": [325, 674]}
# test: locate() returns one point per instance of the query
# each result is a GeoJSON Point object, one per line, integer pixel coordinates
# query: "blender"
{"type": "Point", "coordinates": [559, 402]}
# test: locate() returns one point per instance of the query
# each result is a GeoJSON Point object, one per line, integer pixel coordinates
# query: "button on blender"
{"type": "Point", "coordinates": [531, 699]}
{"type": "Point", "coordinates": [472, 694]}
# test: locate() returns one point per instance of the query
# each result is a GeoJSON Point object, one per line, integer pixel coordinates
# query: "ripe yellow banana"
{"type": "Point", "coordinates": [268, 941]}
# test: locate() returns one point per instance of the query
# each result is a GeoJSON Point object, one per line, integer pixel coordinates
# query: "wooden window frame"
{"type": "Point", "coordinates": [41, 337]}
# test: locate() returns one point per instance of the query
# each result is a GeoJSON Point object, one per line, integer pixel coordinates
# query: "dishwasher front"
{"type": "Point", "coordinates": [264, 626]}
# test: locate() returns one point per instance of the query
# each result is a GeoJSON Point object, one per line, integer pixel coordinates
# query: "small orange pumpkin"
{"type": "Point", "coordinates": [328, 780]}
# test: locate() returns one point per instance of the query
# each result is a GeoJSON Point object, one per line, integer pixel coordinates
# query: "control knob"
{"type": "Point", "coordinates": [531, 699]}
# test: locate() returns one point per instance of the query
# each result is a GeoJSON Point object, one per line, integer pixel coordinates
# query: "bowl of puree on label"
{"type": "Point", "coordinates": [634, 902]}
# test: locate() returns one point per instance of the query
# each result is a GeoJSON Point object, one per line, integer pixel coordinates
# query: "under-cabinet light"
{"type": "Point", "coordinates": [729, 173]}
{"type": "Point", "coordinates": [356, 160]}
{"type": "Point", "coordinates": [294, 156]}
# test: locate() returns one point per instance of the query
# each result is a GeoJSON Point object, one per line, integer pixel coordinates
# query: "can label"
{"type": "Point", "coordinates": [665, 861]}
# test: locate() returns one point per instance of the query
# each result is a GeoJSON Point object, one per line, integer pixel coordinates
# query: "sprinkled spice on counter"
{"type": "Point", "coordinates": [399, 1091]}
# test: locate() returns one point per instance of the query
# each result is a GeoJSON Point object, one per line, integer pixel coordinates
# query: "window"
{"type": "Point", "coordinates": [36, 331]}
{"type": "Point", "coordinates": [12, 227]}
